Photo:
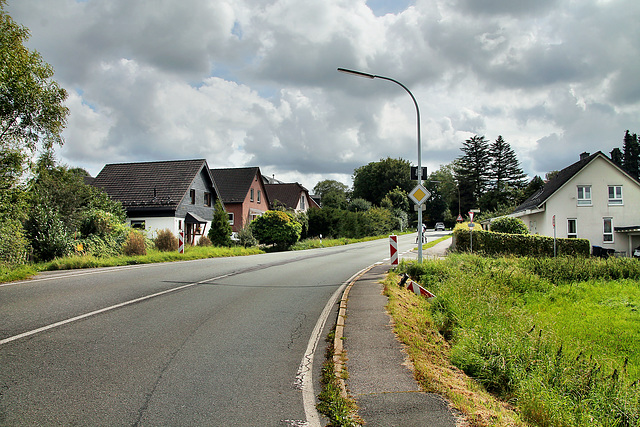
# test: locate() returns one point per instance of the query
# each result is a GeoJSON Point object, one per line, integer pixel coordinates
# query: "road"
{"type": "Point", "coordinates": [218, 342]}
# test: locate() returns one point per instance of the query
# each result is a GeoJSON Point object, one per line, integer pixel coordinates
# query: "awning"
{"type": "Point", "coordinates": [192, 218]}
{"type": "Point", "coordinates": [631, 229]}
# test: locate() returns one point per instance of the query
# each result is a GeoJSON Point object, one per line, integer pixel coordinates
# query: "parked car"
{"type": "Point", "coordinates": [439, 226]}
{"type": "Point", "coordinates": [636, 252]}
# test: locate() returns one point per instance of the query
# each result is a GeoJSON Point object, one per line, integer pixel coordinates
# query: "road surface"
{"type": "Point", "coordinates": [224, 342]}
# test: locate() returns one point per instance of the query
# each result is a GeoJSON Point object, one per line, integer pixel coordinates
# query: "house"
{"type": "Point", "coordinates": [292, 196]}
{"type": "Point", "coordinates": [243, 193]}
{"type": "Point", "coordinates": [592, 199]}
{"type": "Point", "coordinates": [177, 195]}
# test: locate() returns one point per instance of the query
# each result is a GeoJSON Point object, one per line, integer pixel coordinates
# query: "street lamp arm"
{"type": "Point", "coordinates": [374, 76]}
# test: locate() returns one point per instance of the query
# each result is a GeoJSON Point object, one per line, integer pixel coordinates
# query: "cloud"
{"type": "Point", "coordinates": [254, 82]}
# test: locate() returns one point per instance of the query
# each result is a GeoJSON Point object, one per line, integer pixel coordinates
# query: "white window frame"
{"type": "Point", "coordinates": [231, 218]}
{"type": "Point", "coordinates": [584, 195]}
{"type": "Point", "coordinates": [615, 196]}
{"type": "Point", "coordinates": [607, 236]}
{"type": "Point", "coordinates": [251, 195]}
{"type": "Point", "coordinates": [574, 234]}
{"type": "Point", "coordinates": [302, 202]}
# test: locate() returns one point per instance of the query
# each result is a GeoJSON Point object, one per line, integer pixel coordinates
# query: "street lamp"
{"type": "Point", "coordinates": [374, 76]}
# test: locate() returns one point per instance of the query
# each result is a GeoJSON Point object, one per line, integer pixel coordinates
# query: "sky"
{"type": "Point", "coordinates": [254, 82]}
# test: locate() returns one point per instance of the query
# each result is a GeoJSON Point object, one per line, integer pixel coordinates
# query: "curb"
{"type": "Point", "coordinates": [339, 355]}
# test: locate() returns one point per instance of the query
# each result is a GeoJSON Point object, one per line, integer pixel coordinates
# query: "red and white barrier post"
{"type": "Point", "coordinates": [181, 242]}
{"type": "Point", "coordinates": [393, 243]}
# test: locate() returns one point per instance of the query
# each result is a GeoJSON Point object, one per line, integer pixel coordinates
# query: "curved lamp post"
{"type": "Point", "coordinates": [373, 76]}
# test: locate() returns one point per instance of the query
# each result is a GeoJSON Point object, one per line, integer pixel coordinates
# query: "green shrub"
{"type": "Point", "coordinates": [48, 234]}
{"type": "Point", "coordinates": [165, 241]}
{"type": "Point", "coordinates": [245, 237]}
{"type": "Point", "coordinates": [509, 225]}
{"type": "Point", "coordinates": [277, 228]}
{"type": "Point", "coordinates": [13, 243]}
{"type": "Point", "coordinates": [136, 244]}
{"type": "Point", "coordinates": [491, 243]}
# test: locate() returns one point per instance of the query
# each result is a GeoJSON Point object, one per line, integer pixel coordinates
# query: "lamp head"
{"type": "Point", "coordinates": [357, 73]}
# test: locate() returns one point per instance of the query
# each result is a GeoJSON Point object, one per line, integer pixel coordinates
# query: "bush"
{"type": "Point", "coordinates": [509, 225]}
{"type": "Point", "coordinates": [48, 235]}
{"type": "Point", "coordinates": [165, 241]}
{"type": "Point", "coordinates": [276, 227]}
{"type": "Point", "coordinates": [204, 241]}
{"type": "Point", "coordinates": [136, 244]}
{"type": "Point", "coordinates": [245, 237]}
{"type": "Point", "coordinates": [13, 243]}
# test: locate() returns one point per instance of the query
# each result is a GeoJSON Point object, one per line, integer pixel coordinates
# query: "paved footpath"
{"type": "Point", "coordinates": [380, 381]}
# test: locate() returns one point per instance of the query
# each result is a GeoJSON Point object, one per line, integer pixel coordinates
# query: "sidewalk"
{"type": "Point", "coordinates": [380, 381]}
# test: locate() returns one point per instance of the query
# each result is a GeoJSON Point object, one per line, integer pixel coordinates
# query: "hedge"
{"type": "Point", "coordinates": [492, 243]}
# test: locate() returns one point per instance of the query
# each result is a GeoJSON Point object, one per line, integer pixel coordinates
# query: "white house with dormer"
{"type": "Point", "coordinates": [592, 199]}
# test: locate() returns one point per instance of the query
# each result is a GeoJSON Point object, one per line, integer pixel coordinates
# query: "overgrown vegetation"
{"type": "Point", "coordinates": [561, 348]}
{"type": "Point", "coordinates": [337, 408]}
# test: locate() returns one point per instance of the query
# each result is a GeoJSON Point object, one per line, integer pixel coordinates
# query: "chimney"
{"type": "Point", "coordinates": [584, 155]}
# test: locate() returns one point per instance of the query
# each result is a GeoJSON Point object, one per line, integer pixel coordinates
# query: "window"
{"type": "Point", "coordinates": [584, 195]}
{"type": "Point", "coordinates": [138, 223]}
{"type": "Point", "coordinates": [251, 196]}
{"type": "Point", "coordinates": [192, 193]}
{"type": "Point", "coordinates": [207, 199]}
{"type": "Point", "coordinates": [302, 205]}
{"type": "Point", "coordinates": [572, 228]}
{"type": "Point", "coordinates": [615, 194]}
{"type": "Point", "coordinates": [231, 218]}
{"type": "Point", "coordinates": [259, 196]}
{"type": "Point", "coordinates": [607, 235]}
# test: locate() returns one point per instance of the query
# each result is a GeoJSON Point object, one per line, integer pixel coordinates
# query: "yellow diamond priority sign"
{"type": "Point", "coordinates": [419, 194]}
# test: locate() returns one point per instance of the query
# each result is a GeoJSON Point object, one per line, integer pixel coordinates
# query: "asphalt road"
{"type": "Point", "coordinates": [217, 342]}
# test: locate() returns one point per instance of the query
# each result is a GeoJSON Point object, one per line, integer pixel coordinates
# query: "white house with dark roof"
{"type": "Point", "coordinates": [178, 195]}
{"type": "Point", "coordinates": [291, 195]}
{"type": "Point", "coordinates": [591, 199]}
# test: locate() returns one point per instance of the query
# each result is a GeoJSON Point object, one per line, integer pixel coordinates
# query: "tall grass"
{"type": "Point", "coordinates": [558, 338]}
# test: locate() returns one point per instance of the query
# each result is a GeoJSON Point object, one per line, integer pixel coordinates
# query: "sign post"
{"type": "Point", "coordinates": [554, 236]}
{"type": "Point", "coordinates": [471, 225]}
{"type": "Point", "coordinates": [181, 242]}
{"type": "Point", "coordinates": [419, 195]}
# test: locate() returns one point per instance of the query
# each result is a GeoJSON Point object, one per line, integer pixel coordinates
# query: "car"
{"type": "Point", "coordinates": [439, 226]}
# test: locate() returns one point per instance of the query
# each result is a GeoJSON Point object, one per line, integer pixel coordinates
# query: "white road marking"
{"type": "Point", "coordinates": [103, 310]}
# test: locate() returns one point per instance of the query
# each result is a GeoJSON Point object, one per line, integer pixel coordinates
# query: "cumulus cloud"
{"type": "Point", "coordinates": [254, 82]}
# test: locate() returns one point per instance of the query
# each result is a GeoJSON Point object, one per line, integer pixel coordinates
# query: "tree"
{"type": "Point", "coordinates": [32, 111]}
{"type": "Point", "coordinates": [332, 193]}
{"type": "Point", "coordinates": [220, 230]}
{"type": "Point", "coordinates": [631, 154]}
{"type": "Point", "coordinates": [616, 156]}
{"type": "Point", "coordinates": [472, 170]}
{"type": "Point", "coordinates": [534, 186]}
{"type": "Point", "coordinates": [276, 228]}
{"type": "Point", "coordinates": [505, 168]}
{"type": "Point", "coordinates": [374, 180]}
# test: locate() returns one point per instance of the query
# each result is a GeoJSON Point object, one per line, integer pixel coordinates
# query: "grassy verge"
{"type": "Point", "coordinates": [556, 339]}
{"type": "Point", "coordinates": [22, 272]}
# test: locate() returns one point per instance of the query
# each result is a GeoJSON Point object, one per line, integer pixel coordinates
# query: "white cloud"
{"type": "Point", "coordinates": [254, 82]}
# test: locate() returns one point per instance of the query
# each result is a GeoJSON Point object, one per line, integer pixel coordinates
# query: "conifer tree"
{"type": "Point", "coordinates": [631, 154]}
{"type": "Point", "coordinates": [472, 171]}
{"type": "Point", "coordinates": [505, 168]}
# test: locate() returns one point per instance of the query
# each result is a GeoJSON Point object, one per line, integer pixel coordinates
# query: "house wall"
{"type": "Point", "coordinates": [258, 204]}
{"type": "Point", "coordinates": [200, 184]}
{"type": "Point", "coordinates": [599, 174]}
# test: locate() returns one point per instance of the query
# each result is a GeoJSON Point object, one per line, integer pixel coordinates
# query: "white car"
{"type": "Point", "coordinates": [439, 226]}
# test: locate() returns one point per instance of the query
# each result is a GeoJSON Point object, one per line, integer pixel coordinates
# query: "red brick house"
{"type": "Point", "coordinates": [243, 193]}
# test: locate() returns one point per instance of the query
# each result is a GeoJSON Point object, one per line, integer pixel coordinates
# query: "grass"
{"type": "Point", "coordinates": [556, 339]}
